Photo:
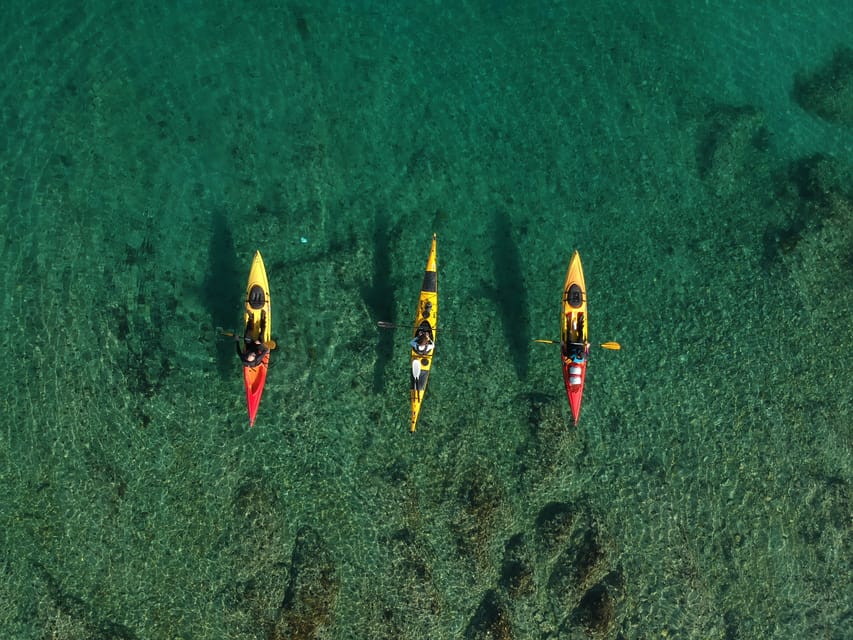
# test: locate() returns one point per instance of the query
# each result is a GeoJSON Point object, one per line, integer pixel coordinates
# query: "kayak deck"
{"type": "Point", "coordinates": [257, 323]}
{"type": "Point", "coordinates": [254, 379]}
{"type": "Point", "coordinates": [574, 344]}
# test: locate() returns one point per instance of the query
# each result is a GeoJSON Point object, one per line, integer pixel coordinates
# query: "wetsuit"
{"type": "Point", "coordinates": [258, 348]}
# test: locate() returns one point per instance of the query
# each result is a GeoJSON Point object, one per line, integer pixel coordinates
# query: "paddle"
{"type": "Point", "coordinates": [610, 346]}
{"type": "Point", "coordinates": [384, 324]}
{"type": "Point", "coordinates": [271, 344]}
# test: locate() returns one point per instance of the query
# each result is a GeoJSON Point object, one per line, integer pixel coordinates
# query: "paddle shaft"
{"type": "Point", "coordinates": [230, 334]}
{"type": "Point", "coordinates": [610, 346]}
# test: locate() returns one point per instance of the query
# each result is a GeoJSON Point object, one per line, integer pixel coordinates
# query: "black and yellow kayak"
{"type": "Point", "coordinates": [257, 322]}
{"type": "Point", "coordinates": [423, 336]}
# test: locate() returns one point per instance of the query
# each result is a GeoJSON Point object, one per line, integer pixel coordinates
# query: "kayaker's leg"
{"type": "Point", "coordinates": [263, 324]}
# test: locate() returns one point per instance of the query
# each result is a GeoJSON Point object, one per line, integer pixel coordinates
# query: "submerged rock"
{"type": "Point", "coordinates": [578, 564]}
{"type": "Point", "coordinates": [731, 141]}
{"type": "Point", "coordinates": [815, 191]}
{"type": "Point", "coordinates": [581, 581]}
{"type": "Point", "coordinates": [258, 554]}
{"type": "Point", "coordinates": [311, 593]}
{"type": "Point", "coordinates": [491, 620]}
{"type": "Point", "coordinates": [827, 92]}
{"type": "Point", "coordinates": [596, 610]}
{"type": "Point", "coordinates": [554, 526]}
{"type": "Point", "coordinates": [413, 576]}
{"type": "Point", "coordinates": [516, 573]}
{"type": "Point", "coordinates": [75, 614]}
{"type": "Point", "coordinates": [480, 497]}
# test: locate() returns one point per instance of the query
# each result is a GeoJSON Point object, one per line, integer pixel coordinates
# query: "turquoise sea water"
{"type": "Point", "coordinates": [699, 157]}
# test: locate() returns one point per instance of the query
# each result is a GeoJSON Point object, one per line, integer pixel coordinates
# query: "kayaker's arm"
{"type": "Point", "coordinates": [258, 348]}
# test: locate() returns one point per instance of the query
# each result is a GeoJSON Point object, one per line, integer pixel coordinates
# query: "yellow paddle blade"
{"type": "Point", "coordinates": [546, 341]}
{"type": "Point", "coordinates": [271, 344]}
{"type": "Point", "coordinates": [611, 346]}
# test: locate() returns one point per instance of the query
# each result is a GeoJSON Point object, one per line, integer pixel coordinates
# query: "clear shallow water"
{"type": "Point", "coordinates": [147, 153]}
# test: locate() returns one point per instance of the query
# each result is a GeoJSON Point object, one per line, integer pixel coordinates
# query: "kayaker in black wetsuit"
{"type": "Point", "coordinates": [422, 343]}
{"type": "Point", "coordinates": [254, 352]}
{"type": "Point", "coordinates": [578, 352]}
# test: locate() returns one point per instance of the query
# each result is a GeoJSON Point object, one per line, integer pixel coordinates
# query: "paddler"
{"type": "Point", "coordinates": [422, 344]}
{"type": "Point", "coordinates": [255, 350]}
{"type": "Point", "coordinates": [254, 353]}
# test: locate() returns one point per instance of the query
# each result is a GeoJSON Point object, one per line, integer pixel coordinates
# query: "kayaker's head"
{"type": "Point", "coordinates": [250, 357]}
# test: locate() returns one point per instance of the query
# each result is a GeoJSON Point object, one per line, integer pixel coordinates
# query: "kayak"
{"type": "Point", "coordinates": [257, 323]}
{"type": "Point", "coordinates": [574, 345]}
{"type": "Point", "coordinates": [426, 320]}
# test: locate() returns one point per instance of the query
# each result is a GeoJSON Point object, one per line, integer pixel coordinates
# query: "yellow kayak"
{"type": "Point", "coordinates": [423, 336]}
{"type": "Point", "coordinates": [257, 323]}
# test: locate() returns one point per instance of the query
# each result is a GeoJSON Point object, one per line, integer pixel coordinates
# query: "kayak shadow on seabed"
{"type": "Point", "coordinates": [219, 286]}
{"type": "Point", "coordinates": [379, 295]}
{"type": "Point", "coordinates": [509, 293]}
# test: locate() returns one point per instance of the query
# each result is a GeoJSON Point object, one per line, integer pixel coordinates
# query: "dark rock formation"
{"type": "Point", "coordinates": [480, 498]}
{"type": "Point", "coordinates": [311, 593]}
{"type": "Point", "coordinates": [516, 573]}
{"type": "Point", "coordinates": [82, 615]}
{"type": "Point", "coordinates": [258, 556]}
{"type": "Point", "coordinates": [730, 142]}
{"type": "Point", "coordinates": [413, 574]}
{"type": "Point", "coordinates": [813, 190]}
{"type": "Point", "coordinates": [597, 608]}
{"type": "Point", "coordinates": [491, 620]}
{"type": "Point", "coordinates": [827, 92]}
{"type": "Point", "coordinates": [577, 565]}
{"type": "Point", "coordinates": [554, 526]}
